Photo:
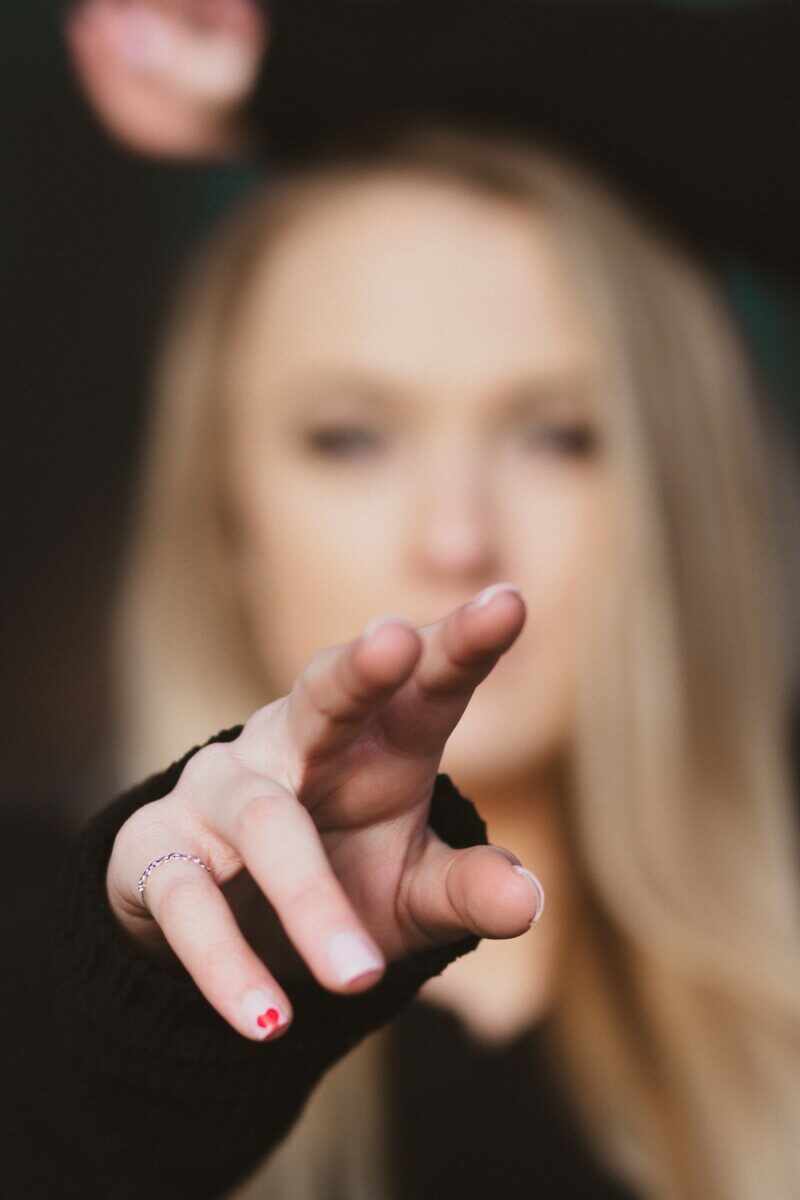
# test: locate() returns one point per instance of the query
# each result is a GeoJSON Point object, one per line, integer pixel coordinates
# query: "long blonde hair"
{"type": "Point", "coordinates": [677, 1028]}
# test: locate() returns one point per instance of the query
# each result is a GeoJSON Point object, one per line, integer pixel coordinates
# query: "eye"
{"type": "Point", "coordinates": [575, 439]}
{"type": "Point", "coordinates": [342, 441]}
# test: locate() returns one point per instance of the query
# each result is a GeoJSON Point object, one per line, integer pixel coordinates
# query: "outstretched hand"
{"type": "Point", "coordinates": [313, 824]}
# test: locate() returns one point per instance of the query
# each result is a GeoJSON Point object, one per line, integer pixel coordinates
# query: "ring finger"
{"type": "Point", "coordinates": [196, 921]}
{"type": "Point", "coordinates": [458, 652]}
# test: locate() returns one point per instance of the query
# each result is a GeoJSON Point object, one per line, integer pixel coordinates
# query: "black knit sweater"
{"type": "Point", "coordinates": [120, 1082]}
{"type": "Point", "coordinates": [118, 1078]}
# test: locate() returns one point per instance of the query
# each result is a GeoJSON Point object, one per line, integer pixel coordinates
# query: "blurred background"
{"type": "Point", "coordinates": [93, 237]}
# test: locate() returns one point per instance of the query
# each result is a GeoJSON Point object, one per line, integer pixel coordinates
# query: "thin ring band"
{"type": "Point", "coordinates": [173, 856]}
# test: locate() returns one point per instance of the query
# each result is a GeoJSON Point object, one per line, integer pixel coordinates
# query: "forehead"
{"type": "Point", "coordinates": [416, 278]}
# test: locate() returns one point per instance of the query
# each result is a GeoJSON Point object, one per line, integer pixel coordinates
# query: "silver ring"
{"type": "Point", "coordinates": [173, 856]}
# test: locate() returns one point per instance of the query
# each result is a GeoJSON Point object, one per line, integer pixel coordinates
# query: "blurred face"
{"type": "Point", "coordinates": [411, 419]}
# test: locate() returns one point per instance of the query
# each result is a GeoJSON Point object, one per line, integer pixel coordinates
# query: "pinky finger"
{"type": "Point", "coordinates": [196, 920]}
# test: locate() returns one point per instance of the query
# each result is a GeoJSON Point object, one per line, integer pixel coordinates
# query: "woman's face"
{"type": "Point", "coordinates": [411, 419]}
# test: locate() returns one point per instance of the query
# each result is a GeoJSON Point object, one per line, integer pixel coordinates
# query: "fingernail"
{"type": "Point", "coordinates": [488, 594]}
{"type": "Point", "coordinates": [262, 1014]}
{"type": "Point", "coordinates": [536, 884]}
{"type": "Point", "coordinates": [387, 619]}
{"type": "Point", "coordinates": [352, 955]}
{"type": "Point", "coordinates": [507, 854]}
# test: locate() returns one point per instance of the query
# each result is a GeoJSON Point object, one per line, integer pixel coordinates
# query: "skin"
{"type": "Point", "coordinates": [411, 395]}
{"type": "Point", "coordinates": [475, 368]}
{"type": "Point", "coordinates": [169, 78]}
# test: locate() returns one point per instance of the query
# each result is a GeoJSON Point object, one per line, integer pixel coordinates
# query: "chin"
{"type": "Point", "coordinates": [496, 743]}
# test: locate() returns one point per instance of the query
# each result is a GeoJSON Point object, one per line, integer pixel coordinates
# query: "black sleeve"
{"type": "Point", "coordinates": [118, 1079]}
{"type": "Point", "coordinates": [693, 111]}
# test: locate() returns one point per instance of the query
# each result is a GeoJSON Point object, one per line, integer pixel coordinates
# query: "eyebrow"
{"type": "Point", "coordinates": [534, 393]}
{"type": "Point", "coordinates": [333, 382]}
{"type": "Point", "coordinates": [516, 396]}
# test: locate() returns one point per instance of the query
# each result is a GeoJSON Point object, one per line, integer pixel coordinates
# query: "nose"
{"type": "Point", "coordinates": [454, 525]}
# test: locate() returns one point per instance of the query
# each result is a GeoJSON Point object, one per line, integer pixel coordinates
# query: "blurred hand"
{"type": "Point", "coordinates": [169, 78]}
{"type": "Point", "coordinates": [313, 824]}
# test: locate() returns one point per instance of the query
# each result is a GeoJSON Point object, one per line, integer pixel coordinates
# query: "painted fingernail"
{"type": "Point", "coordinates": [352, 955]}
{"type": "Point", "coordinates": [262, 1014]}
{"type": "Point", "coordinates": [386, 619]}
{"type": "Point", "coordinates": [536, 884]}
{"type": "Point", "coordinates": [488, 594]}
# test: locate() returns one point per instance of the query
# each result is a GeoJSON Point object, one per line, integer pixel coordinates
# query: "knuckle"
{"type": "Point", "coordinates": [318, 889]}
{"type": "Point", "coordinates": [178, 899]}
{"type": "Point", "coordinates": [315, 669]}
{"type": "Point", "coordinates": [212, 766]}
{"type": "Point", "coordinates": [409, 904]}
{"type": "Point", "coordinates": [258, 812]}
{"type": "Point", "coordinates": [316, 661]}
{"type": "Point", "coordinates": [260, 724]}
{"type": "Point", "coordinates": [316, 892]}
{"type": "Point", "coordinates": [262, 749]}
{"type": "Point", "coordinates": [148, 826]}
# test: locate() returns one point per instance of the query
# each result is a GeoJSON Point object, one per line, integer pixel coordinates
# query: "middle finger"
{"type": "Point", "coordinates": [458, 652]}
{"type": "Point", "coordinates": [342, 686]}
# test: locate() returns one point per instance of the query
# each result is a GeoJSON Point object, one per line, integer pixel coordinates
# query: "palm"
{"type": "Point", "coordinates": [372, 814]}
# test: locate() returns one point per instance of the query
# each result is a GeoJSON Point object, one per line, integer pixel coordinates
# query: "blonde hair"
{"type": "Point", "coordinates": [677, 1027]}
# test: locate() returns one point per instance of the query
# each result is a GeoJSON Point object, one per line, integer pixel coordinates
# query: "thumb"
{"type": "Point", "coordinates": [482, 890]}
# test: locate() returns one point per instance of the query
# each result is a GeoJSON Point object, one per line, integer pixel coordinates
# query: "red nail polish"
{"type": "Point", "coordinates": [268, 1019]}
{"type": "Point", "coordinates": [262, 1015]}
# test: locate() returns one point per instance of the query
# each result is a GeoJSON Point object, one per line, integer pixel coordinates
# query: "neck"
{"type": "Point", "coordinates": [528, 819]}
{"type": "Point", "coordinates": [529, 823]}
{"type": "Point", "coordinates": [524, 816]}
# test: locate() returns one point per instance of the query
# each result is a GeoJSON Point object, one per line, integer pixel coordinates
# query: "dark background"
{"type": "Point", "coordinates": [92, 238]}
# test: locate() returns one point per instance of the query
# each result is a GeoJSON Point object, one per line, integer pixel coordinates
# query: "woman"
{"type": "Point", "coordinates": [414, 369]}
{"type": "Point", "coordinates": [649, 764]}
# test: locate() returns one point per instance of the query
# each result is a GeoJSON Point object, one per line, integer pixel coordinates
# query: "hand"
{"type": "Point", "coordinates": [169, 78]}
{"type": "Point", "coordinates": [313, 824]}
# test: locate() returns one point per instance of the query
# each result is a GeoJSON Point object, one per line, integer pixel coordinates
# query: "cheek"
{"type": "Point", "coordinates": [562, 548]}
{"type": "Point", "coordinates": [524, 714]}
{"type": "Point", "coordinates": [315, 564]}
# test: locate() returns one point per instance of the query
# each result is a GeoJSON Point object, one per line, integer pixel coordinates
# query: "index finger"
{"type": "Point", "coordinates": [343, 686]}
